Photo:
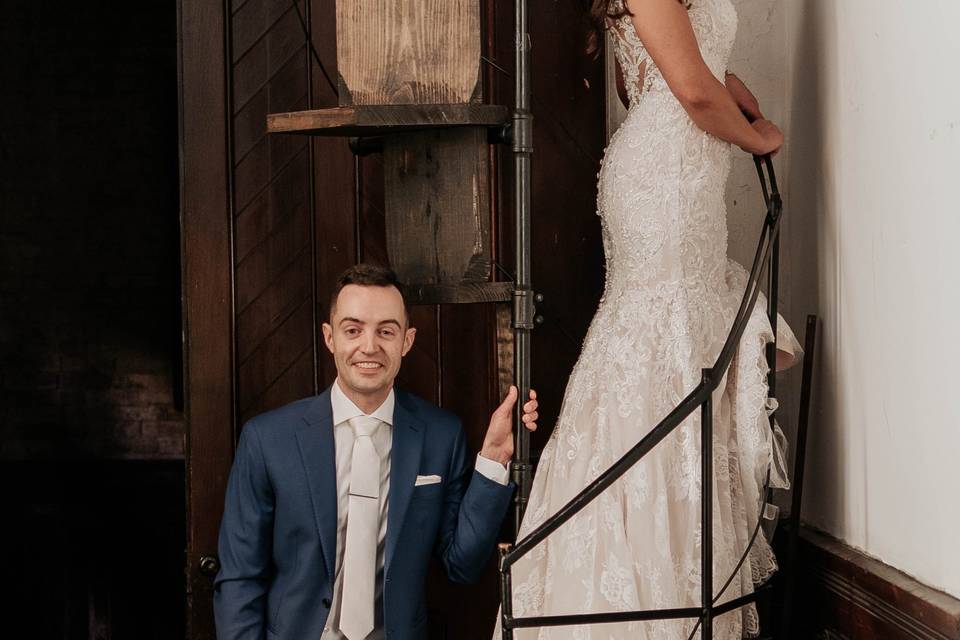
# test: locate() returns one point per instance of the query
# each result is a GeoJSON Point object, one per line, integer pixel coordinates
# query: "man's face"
{"type": "Point", "coordinates": [368, 337]}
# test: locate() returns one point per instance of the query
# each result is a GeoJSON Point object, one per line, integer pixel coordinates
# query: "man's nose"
{"type": "Point", "coordinates": [369, 343]}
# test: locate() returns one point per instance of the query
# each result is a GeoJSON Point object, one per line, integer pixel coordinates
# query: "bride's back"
{"type": "Point", "coordinates": [714, 24]}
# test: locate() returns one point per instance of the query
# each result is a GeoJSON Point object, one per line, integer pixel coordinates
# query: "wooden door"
{"type": "Point", "coordinates": [268, 223]}
{"type": "Point", "coordinates": [265, 227]}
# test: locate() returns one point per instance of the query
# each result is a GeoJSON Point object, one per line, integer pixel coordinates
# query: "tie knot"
{"type": "Point", "coordinates": [364, 425]}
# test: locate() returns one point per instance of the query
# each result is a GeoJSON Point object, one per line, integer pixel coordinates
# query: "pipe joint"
{"type": "Point", "coordinates": [524, 309]}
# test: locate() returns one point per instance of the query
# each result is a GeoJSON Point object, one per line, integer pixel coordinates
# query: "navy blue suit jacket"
{"type": "Point", "coordinates": [278, 534]}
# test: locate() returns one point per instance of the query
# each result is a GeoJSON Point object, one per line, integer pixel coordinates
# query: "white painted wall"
{"type": "Point", "coordinates": [874, 167]}
{"type": "Point", "coordinates": [868, 94]}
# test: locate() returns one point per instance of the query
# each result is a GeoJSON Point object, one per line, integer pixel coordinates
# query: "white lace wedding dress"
{"type": "Point", "coordinates": [670, 298]}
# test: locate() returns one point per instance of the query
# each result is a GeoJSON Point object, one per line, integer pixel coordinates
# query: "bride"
{"type": "Point", "coordinates": [669, 302]}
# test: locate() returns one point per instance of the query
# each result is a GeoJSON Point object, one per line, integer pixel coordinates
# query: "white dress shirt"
{"type": "Point", "coordinates": [343, 436]}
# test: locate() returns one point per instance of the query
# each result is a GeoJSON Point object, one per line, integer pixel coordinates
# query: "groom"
{"type": "Point", "coordinates": [335, 503]}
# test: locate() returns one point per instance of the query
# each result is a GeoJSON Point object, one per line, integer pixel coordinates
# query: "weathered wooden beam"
{"type": "Point", "coordinates": [408, 51]}
{"type": "Point", "coordinates": [466, 293]}
{"type": "Point", "coordinates": [437, 205]}
{"type": "Point", "coordinates": [385, 119]}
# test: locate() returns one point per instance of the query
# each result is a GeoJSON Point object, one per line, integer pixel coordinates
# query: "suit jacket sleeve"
{"type": "Point", "coordinates": [471, 518]}
{"type": "Point", "coordinates": [241, 585]}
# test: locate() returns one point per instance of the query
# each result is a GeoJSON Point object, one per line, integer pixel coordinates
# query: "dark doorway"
{"type": "Point", "coordinates": [91, 392]}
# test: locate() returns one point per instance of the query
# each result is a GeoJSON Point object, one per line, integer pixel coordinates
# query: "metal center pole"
{"type": "Point", "coordinates": [706, 512]}
{"type": "Point", "coordinates": [523, 304]}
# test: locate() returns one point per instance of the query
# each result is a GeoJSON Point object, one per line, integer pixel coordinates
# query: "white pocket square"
{"type": "Point", "coordinates": [422, 480]}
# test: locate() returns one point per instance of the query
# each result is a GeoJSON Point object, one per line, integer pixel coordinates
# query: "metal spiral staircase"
{"type": "Point", "coordinates": [766, 256]}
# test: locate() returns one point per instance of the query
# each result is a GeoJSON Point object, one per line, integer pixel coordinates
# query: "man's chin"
{"type": "Point", "coordinates": [368, 385]}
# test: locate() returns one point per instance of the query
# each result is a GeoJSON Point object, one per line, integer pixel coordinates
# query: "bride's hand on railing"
{"type": "Point", "coordinates": [744, 98]}
{"type": "Point", "coordinates": [772, 138]}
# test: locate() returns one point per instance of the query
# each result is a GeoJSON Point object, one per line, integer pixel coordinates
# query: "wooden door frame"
{"type": "Point", "coordinates": [206, 258]}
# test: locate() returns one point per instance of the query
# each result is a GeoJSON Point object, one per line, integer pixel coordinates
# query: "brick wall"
{"type": "Point", "coordinates": [89, 264]}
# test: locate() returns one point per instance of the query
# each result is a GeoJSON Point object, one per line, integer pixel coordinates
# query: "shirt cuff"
{"type": "Point", "coordinates": [493, 470]}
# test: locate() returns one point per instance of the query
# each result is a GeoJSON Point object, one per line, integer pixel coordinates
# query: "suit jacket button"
{"type": "Point", "coordinates": [326, 602]}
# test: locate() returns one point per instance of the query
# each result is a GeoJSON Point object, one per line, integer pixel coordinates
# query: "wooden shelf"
{"type": "Point", "coordinates": [367, 120]}
{"type": "Point", "coordinates": [463, 293]}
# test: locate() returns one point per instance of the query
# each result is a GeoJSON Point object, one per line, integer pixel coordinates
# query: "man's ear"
{"type": "Point", "coordinates": [327, 335]}
{"type": "Point", "coordinates": [408, 338]}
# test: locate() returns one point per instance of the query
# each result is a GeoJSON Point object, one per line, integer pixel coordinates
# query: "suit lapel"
{"type": "Point", "coordinates": [317, 452]}
{"type": "Point", "coordinates": [405, 452]}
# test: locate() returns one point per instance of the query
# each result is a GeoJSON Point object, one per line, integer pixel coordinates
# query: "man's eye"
{"type": "Point", "coordinates": [352, 331]}
{"type": "Point", "coordinates": [387, 333]}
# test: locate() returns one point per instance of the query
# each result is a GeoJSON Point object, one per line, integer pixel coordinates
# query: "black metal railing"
{"type": "Point", "coordinates": [767, 254]}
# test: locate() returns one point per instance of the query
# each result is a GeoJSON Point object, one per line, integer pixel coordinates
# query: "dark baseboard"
{"type": "Point", "coordinates": [844, 594]}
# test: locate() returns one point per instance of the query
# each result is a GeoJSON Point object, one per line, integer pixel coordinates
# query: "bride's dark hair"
{"type": "Point", "coordinates": [598, 12]}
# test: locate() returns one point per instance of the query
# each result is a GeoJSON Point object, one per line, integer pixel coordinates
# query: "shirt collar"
{"type": "Point", "coordinates": [344, 408]}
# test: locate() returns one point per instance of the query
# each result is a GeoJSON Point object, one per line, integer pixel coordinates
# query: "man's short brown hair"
{"type": "Point", "coordinates": [369, 275]}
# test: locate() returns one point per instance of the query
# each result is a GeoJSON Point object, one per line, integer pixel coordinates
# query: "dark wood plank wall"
{"type": "Point", "coordinates": [568, 140]}
{"type": "Point", "coordinates": [272, 209]}
{"type": "Point", "coordinates": [335, 179]}
{"type": "Point", "coordinates": [269, 221]}
{"type": "Point", "coordinates": [567, 254]}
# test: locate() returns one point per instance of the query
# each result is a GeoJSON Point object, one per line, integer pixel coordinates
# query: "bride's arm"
{"type": "Point", "coordinates": [665, 30]}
